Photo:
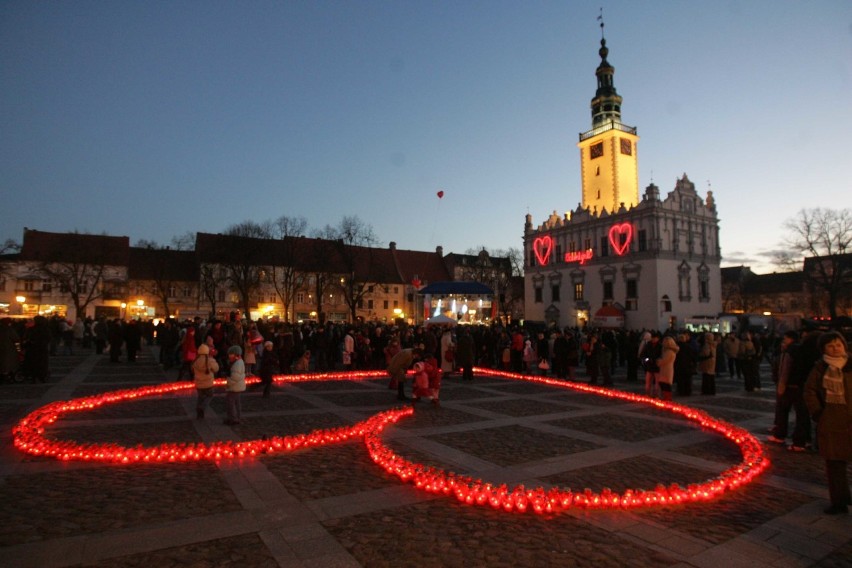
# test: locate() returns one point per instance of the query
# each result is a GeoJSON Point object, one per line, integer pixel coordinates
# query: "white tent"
{"type": "Point", "coordinates": [441, 320]}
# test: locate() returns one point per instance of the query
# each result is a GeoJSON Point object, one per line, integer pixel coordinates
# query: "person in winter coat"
{"type": "Point", "coordinates": [707, 363]}
{"type": "Point", "coordinates": [188, 353]}
{"type": "Point", "coordinates": [269, 365]}
{"type": "Point", "coordinates": [236, 384]}
{"type": "Point", "coordinates": [666, 364]}
{"type": "Point", "coordinates": [465, 352]}
{"type": "Point", "coordinates": [448, 354]}
{"type": "Point", "coordinates": [789, 379]}
{"type": "Point", "coordinates": [828, 396]}
{"type": "Point", "coordinates": [651, 350]}
{"type": "Point", "coordinates": [8, 348]}
{"type": "Point", "coordinates": [731, 347]}
{"type": "Point", "coordinates": [398, 367]}
{"type": "Point", "coordinates": [685, 364]}
{"type": "Point", "coordinates": [204, 369]}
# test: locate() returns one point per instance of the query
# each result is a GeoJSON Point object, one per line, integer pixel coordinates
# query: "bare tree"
{"type": "Point", "coordinates": [355, 244]}
{"type": "Point", "coordinates": [7, 268]}
{"type": "Point", "coordinates": [185, 241]}
{"type": "Point", "coordinates": [76, 276]}
{"type": "Point", "coordinates": [244, 262]}
{"type": "Point", "coordinates": [211, 278]}
{"type": "Point", "coordinates": [288, 259]}
{"type": "Point", "coordinates": [823, 236]}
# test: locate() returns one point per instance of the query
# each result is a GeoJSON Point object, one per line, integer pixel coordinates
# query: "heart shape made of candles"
{"type": "Point", "coordinates": [29, 436]}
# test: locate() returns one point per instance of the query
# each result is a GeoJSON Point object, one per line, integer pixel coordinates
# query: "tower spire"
{"type": "Point", "coordinates": [606, 105]}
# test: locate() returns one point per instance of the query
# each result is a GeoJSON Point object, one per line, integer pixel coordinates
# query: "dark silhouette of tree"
{"type": "Point", "coordinates": [823, 236]}
{"type": "Point", "coordinates": [288, 259]}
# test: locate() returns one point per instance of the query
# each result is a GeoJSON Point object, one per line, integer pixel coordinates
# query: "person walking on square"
{"type": "Point", "coordinates": [828, 396]}
{"type": "Point", "coordinates": [685, 365]}
{"type": "Point", "coordinates": [204, 368]}
{"type": "Point", "coordinates": [745, 361]}
{"type": "Point", "coordinates": [789, 372]}
{"type": "Point", "coordinates": [188, 353]}
{"type": "Point", "coordinates": [236, 384]}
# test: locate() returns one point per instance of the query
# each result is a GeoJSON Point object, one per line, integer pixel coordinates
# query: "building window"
{"type": "Point", "coordinates": [385, 304]}
{"type": "Point", "coordinates": [172, 292]}
{"type": "Point", "coordinates": [554, 291]}
{"type": "Point", "coordinates": [642, 237]}
{"type": "Point", "coordinates": [665, 303]}
{"type": "Point", "coordinates": [607, 291]}
{"type": "Point", "coordinates": [46, 285]}
{"type": "Point", "coordinates": [684, 282]}
{"type": "Point", "coordinates": [578, 292]}
{"type": "Point", "coordinates": [187, 292]}
{"type": "Point", "coordinates": [396, 304]}
{"type": "Point", "coordinates": [538, 295]}
{"type": "Point", "coordinates": [588, 244]}
{"type": "Point", "coordinates": [572, 247]}
{"type": "Point", "coordinates": [300, 297]}
{"type": "Point", "coordinates": [28, 286]}
{"type": "Point", "coordinates": [369, 304]}
{"type": "Point", "coordinates": [703, 283]}
{"type": "Point", "coordinates": [632, 289]}
{"type": "Point", "coordinates": [631, 304]}
{"type": "Point", "coordinates": [604, 246]}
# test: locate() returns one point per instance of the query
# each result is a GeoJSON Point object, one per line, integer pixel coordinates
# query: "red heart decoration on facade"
{"type": "Point", "coordinates": [542, 247]}
{"type": "Point", "coordinates": [615, 233]}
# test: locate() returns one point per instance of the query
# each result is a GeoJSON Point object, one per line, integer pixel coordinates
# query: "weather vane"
{"type": "Point", "coordinates": [600, 19]}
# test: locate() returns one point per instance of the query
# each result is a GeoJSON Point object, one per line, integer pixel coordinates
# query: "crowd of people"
{"type": "Point", "coordinates": [811, 372]}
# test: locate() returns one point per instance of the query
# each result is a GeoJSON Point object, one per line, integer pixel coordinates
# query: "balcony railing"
{"type": "Point", "coordinates": [607, 127]}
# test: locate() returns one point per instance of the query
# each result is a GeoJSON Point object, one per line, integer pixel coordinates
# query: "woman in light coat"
{"type": "Point", "coordinates": [204, 368]}
{"type": "Point", "coordinates": [666, 365]}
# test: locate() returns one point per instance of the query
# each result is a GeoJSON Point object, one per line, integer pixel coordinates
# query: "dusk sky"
{"type": "Point", "coordinates": [153, 119]}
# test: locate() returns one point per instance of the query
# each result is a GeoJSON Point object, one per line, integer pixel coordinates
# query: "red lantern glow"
{"type": "Point", "coordinates": [29, 436]}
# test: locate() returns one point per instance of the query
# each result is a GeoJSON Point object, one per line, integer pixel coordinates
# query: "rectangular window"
{"type": "Point", "coordinates": [632, 304]}
{"type": "Point", "coordinates": [46, 285]}
{"type": "Point", "coordinates": [396, 303]}
{"type": "Point", "coordinates": [578, 292]}
{"type": "Point", "coordinates": [607, 290]}
{"type": "Point", "coordinates": [385, 304]}
{"type": "Point", "coordinates": [632, 288]}
{"type": "Point", "coordinates": [554, 291]}
{"type": "Point", "coordinates": [604, 246]}
{"type": "Point", "coordinates": [572, 247]}
{"type": "Point", "coordinates": [28, 285]}
{"type": "Point", "coordinates": [643, 240]}
{"type": "Point", "coordinates": [369, 304]}
{"type": "Point", "coordinates": [588, 244]}
{"type": "Point", "coordinates": [538, 296]}
{"type": "Point", "coordinates": [300, 297]}
{"type": "Point", "coordinates": [703, 290]}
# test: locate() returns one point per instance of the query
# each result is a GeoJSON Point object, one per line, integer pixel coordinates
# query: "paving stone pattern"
{"type": "Point", "coordinates": [332, 506]}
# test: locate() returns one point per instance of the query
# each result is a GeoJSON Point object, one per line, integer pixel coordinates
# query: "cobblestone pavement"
{"type": "Point", "coordinates": [333, 507]}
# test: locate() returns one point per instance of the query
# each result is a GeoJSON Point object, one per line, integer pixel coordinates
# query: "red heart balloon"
{"type": "Point", "coordinates": [440, 194]}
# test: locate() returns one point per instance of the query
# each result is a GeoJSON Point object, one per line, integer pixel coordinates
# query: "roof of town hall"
{"type": "Point", "coordinates": [81, 248]}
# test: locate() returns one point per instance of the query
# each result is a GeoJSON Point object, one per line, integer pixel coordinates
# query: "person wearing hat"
{"type": "Point", "coordinates": [236, 383]}
{"type": "Point", "coordinates": [204, 368]}
{"type": "Point", "coordinates": [828, 396]}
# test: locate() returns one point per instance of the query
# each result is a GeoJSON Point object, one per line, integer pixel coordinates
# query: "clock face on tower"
{"type": "Point", "coordinates": [596, 150]}
{"type": "Point", "coordinates": [626, 147]}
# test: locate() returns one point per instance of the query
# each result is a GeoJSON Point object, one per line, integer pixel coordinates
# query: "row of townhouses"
{"type": "Point", "coordinates": [290, 279]}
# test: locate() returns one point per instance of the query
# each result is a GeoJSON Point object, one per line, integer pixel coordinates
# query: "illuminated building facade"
{"type": "Point", "coordinates": [649, 263]}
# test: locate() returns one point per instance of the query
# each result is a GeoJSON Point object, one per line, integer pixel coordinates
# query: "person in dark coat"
{"type": "Point", "coordinates": [828, 396]}
{"type": "Point", "coordinates": [269, 365]}
{"type": "Point", "coordinates": [465, 350]}
{"type": "Point", "coordinates": [685, 365]}
{"type": "Point", "coordinates": [116, 340]}
{"type": "Point", "coordinates": [36, 345]}
{"type": "Point", "coordinates": [132, 340]}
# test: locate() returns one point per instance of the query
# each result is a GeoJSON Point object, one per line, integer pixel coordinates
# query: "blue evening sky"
{"type": "Point", "coordinates": [152, 119]}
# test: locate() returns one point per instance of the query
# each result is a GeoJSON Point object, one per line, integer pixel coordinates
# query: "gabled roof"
{"type": "Point", "coordinates": [163, 265]}
{"type": "Point", "coordinates": [424, 266]}
{"type": "Point", "coordinates": [75, 247]}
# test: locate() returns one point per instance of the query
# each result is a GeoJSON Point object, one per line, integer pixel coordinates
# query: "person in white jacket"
{"type": "Point", "coordinates": [236, 384]}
